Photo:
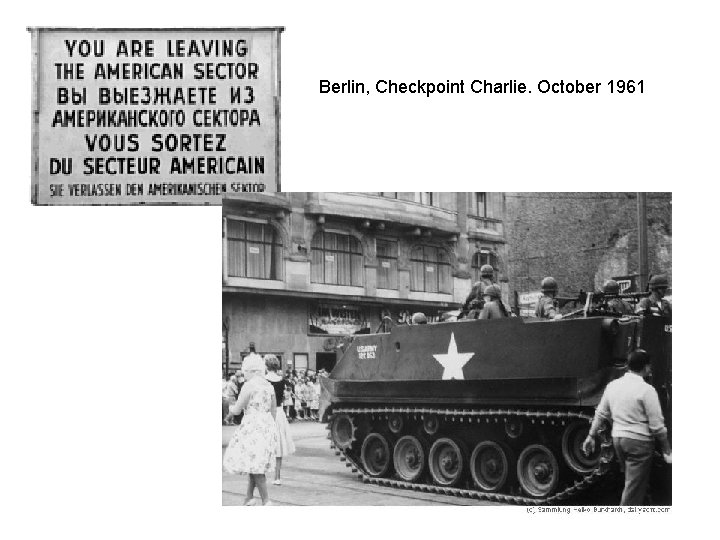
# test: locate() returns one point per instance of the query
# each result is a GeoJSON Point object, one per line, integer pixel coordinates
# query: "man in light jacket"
{"type": "Point", "coordinates": [633, 407]}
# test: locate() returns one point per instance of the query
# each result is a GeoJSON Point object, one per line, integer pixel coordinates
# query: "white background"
{"type": "Point", "coordinates": [111, 316]}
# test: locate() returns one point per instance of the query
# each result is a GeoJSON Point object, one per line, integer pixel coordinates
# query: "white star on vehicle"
{"type": "Point", "coordinates": [453, 361]}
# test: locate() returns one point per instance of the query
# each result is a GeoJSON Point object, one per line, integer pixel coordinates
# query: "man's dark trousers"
{"type": "Point", "coordinates": [635, 459]}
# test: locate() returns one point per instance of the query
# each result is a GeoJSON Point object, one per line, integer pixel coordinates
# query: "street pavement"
{"type": "Point", "coordinates": [315, 476]}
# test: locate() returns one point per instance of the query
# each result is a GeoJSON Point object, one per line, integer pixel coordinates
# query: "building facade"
{"type": "Point", "coordinates": [302, 271]}
{"type": "Point", "coordinates": [582, 239]}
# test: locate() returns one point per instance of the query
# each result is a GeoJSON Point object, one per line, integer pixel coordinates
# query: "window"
{"type": "Point", "coordinates": [254, 250]}
{"type": "Point", "coordinates": [300, 362]}
{"type": "Point", "coordinates": [479, 205]}
{"type": "Point", "coordinates": [336, 259]}
{"type": "Point", "coordinates": [430, 270]}
{"type": "Point", "coordinates": [482, 257]}
{"type": "Point", "coordinates": [425, 198]}
{"type": "Point", "coordinates": [387, 254]}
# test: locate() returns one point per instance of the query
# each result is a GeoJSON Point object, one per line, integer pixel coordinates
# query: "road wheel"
{"type": "Point", "coordinates": [342, 431]}
{"type": "Point", "coordinates": [445, 462]}
{"type": "Point", "coordinates": [572, 439]}
{"type": "Point", "coordinates": [375, 455]}
{"type": "Point", "coordinates": [489, 466]}
{"type": "Point", "coordinates": [538, 471]}
{"type": "Point", "coordinates": [409, 458]}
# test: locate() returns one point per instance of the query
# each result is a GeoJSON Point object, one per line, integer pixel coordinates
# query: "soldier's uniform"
{"type": "Point", "coordinates": [618, 305]}
{"type": "Point", "coordinates": [480, 286]}
{"type": "Point", "coordinates": [546, 308]}
{"type": "Point", "coordinates": [613, 303]}
{"type": "Point", "coordinates": [655, 305]}
{"type": "Point", "coordinates": [486, 273]}
{"type": "Point", "coordinates": [492, 309]}
{"type": "Point", "coordinates": [477, 290]}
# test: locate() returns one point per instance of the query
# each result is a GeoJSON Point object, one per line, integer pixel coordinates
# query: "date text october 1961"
{"type": "Point", "coordinates": [481, 86]}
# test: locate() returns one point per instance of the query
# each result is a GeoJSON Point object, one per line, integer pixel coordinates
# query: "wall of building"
{"type": "Point", "coordinates": [276, 325]}
{"type": "Point", "coordinates": [368, 218]}
{"type": "Point", "coordinates": [582, 239]}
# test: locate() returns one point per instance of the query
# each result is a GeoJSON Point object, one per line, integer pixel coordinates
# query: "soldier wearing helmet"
{"type": "Point", "coordinates": [486, 279]}
{"type": "Point", "coordinates": [546, 308]}
{"type": "Point", "coordinates": [419, 318]}
{"type": "Point", "coordinates": [493, 308]}
{"type": "Point", "coordinates": [611, 290]}
{"type": "Point", "coordinates": [656, 304]}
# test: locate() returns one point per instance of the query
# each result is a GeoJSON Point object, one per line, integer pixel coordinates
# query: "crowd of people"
{"type": "Point", "coordinates": [300, 396]}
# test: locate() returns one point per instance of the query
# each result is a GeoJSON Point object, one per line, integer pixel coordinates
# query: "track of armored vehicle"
{"type": "Point", "coordinates": [494, 432]}
{"type": "Point", "coordinates": [406, 447]}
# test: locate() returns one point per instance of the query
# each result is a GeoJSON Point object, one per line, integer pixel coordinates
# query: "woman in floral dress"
{"type": "Point", "coordinates": [252, 447]}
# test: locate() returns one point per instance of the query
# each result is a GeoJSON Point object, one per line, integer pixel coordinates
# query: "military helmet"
{"type": "Point", "coordinates": [611, 287]}
{"type": "Point", "coordinates": [658, 282]}
{"type": "Point", "coordinates": [493, 291]}
{"type": "Point", "coordinates": [419, 318]}
{"type": "Point", "coordinates": [487, 270]}
{"type": "Point", "coordinates": [549, 285]}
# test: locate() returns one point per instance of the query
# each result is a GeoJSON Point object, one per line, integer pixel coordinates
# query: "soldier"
{"type": "Point", "coordinates": [475, 308]}
{"type": "Point", "coordinates": [611, 289]}
{"type": "Point", "coordinates": [486, 279]}
{"type": "Point", "coordinates": [419, 318]}
{"type": "Point", "coordinates": [655, 304]}
{"type": "Point", "coordinates": [493, 308]}
{"type": "Point", "coordinates": [546, 308]}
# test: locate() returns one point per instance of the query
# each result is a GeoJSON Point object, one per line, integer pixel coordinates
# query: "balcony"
{"type": "Point", "coordinates": [248, 202]}
{"type": "Point", "coordinates": [375, 207]}
{"type": "Point", "coordinates": [483, 228]}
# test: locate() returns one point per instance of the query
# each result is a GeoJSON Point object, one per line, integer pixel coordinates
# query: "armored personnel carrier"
{"type": "Point", "coordinates": [490, 409]}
